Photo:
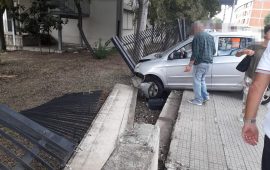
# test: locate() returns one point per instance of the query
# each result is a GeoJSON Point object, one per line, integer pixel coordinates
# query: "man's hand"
{"type": "Point", "coordinates": [187, 68]}
{"type": "Point", "coordinates": [245, 51]}
{"type": "Point", "coordinates": [250, 133]}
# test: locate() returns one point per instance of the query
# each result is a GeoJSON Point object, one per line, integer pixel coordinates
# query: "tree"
{"type": "Point", "coordinates": [4, 5]}
{"type": "Point", "coordinates": [80, 27]}
{"type": "Point", "coordinates": [141, 26]}
{"type": "Point", "coordinates": [212, 7]}
{"type": "Point", "coordinates": [267, 19]}
{"type": "Point", "coordinates": [170, 10]}
{"type": "Point", "coordinates": [217, 20]}
{"type": "Point", "coordinates": [38, 21]}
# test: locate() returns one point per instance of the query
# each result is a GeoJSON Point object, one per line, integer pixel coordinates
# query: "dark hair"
{"type": "Point", "coordinates": [266, 28]}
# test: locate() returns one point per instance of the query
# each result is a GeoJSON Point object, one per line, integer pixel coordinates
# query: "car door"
{"type": "Point", "coordinates": [224, 73]}
{"type": "Point", "coordinates": [175, 75]}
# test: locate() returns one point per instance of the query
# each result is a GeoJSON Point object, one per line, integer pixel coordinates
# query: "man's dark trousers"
{"type": "Point", "coordinates": [266, 154]}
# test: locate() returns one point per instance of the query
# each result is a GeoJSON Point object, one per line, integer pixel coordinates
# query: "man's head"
{"type": "Point", "coordinates": [267, 32]}
{"type": "Point", "coordinates": [197, 27]}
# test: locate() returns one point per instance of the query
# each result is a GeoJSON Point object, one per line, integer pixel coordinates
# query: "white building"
{"type": "Point", "coordinates": [103, 19]}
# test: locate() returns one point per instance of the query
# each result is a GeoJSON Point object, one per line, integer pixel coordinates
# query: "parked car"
{"type": "Point", "coordinates": [160, 71]}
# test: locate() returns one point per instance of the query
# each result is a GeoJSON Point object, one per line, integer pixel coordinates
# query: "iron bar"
{"type": "Point", "coordinates": [12, 155]}
{"type": "Point", "coordinates": [25, 149]}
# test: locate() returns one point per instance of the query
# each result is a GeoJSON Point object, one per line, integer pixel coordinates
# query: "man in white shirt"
{"type": "Point", "coordinates": [250, 131]}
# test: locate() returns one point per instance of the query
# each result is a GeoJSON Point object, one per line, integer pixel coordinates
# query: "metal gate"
{"type": "Point", "coordinates": [45, 137]}
{"type": "Point", "coordinates": [134, 47]}
{"type": "Point", "coordinates": [27, 145]}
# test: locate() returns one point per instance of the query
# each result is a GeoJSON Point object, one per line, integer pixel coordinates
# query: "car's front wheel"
{"type": "Point", "coordinates": [266, 96]}
{"type": "Point", "coordinates": [156, 88]}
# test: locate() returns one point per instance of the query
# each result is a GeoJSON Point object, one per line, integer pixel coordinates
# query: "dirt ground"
{"type": "Point", "coordinates": [39, 78]}
{"type": "Point", "coordinates": [29, 79]}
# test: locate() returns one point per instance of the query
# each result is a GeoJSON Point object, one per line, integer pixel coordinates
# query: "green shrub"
{"type": "Point", "coordinates": [101, 51]}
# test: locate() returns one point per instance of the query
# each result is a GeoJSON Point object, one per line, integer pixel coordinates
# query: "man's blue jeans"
{"type": "Point", "coordinates": [199, 85]}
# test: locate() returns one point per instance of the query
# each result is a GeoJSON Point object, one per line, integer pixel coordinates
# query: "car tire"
{"type": "Point", "coordinates": [266, 96]}
{"type": "Point", "coordinates": [156, 88]}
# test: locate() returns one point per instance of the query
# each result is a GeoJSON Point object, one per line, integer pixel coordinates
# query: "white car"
{"type": "Point", "coordinates": [165, 71]}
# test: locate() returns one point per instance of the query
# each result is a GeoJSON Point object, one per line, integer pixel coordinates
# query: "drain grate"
{"type": "Point", "coordinates": [70, 115]}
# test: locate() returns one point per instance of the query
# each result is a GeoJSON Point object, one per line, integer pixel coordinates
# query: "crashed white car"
{"type": "Point", "coordinates": [165, 71]}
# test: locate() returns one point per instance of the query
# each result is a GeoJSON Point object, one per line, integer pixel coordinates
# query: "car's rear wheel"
{"type": "Point", "coordinates": [156, 88]}
{"type": "Point", "coordinates": [266, 96]}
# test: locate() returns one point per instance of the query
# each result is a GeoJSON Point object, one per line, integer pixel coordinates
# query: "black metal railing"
{"type": "Point", "coordinates": [157, 39]}
{"type": "Point", "coordinates": [150, 41]}
{"type": "Point", "coordinates": [29, 145]}
{"type": "Point", "coordinates": [45, 137]}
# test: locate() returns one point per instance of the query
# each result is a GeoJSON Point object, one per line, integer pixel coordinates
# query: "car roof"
{"type": "Point", "coordinates": [238, 34]}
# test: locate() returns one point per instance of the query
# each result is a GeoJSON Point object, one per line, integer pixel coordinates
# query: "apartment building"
{"type": "Point", "coordinates": [251, 13]}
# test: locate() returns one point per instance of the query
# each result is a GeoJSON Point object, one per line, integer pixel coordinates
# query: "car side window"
{"type": "Point", "coordinates": [182, 53]}
{"type": "Point", "coordinates": [228, 46]}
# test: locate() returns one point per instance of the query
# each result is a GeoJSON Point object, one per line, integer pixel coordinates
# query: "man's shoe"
{"type": "Point", "coordinates": [195, 102]}
{"type": "Point", "coordinates": [206, 100]}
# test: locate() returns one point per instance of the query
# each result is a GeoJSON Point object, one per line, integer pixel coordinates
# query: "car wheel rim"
{"type": "Point", "coordinates": [153, 90]}
{"type": "Point", "coordinates": [266, 95]}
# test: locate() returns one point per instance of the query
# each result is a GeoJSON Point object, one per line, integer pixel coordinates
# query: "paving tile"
{"type": "Point", "coordinates": [209, 136]}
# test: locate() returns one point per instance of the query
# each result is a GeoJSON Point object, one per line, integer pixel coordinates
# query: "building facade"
{"type": "Point", "coordinates": [103, 20]}
{"type": "Point", "coordinates": [251, 13]}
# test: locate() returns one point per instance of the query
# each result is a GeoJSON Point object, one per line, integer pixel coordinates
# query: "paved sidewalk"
{"type": "Point", "coordinates": [208, 137]}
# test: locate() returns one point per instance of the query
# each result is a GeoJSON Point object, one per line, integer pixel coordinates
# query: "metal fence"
{"type": "Point", "coordinates": [149, 41]}
{"type": "Point", "coordinates": [156, 39]}
{"type": "Point", "coordinates": [27, 145]}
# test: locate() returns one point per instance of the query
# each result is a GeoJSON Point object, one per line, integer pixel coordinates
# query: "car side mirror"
{"type": "Point", "coordinates": [171, 56]}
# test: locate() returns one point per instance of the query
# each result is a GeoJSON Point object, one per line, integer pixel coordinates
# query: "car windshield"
{"type": "Point", "coordinates": [172, 48]}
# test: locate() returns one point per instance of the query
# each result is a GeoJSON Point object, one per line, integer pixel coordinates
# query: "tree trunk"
{"type": "Point", "coordinates": [88, 46]}
{"type": "Point", "coordinates": [2, 35]}
{"type": "Point", "coordinates": [141, 26]}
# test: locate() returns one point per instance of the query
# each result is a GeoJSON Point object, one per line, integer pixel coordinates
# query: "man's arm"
{"type": "Point", "coordinates": [255, 94]}
{"type": "Point", "coordinates": [194, 53]}
{"type": "Point", "coordinates": [250, 132]}
{"type": "Point", "coordinates": [213, 46]}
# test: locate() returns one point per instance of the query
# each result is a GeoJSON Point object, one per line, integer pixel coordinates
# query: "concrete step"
{"type": "Point", "coordinates": [138, 149]}
{"type": "Point", "coordinates": [114, 117]}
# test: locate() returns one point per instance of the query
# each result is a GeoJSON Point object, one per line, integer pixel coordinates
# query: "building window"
{"type": "Point", "coordinates": [9, 22]}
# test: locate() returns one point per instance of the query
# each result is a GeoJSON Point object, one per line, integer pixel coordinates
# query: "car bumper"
{"type": "Point", "coordinates": [142, 86]}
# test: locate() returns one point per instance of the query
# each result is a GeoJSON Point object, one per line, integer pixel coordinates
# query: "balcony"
{"type": "Point", "coordinates": [67, 8]}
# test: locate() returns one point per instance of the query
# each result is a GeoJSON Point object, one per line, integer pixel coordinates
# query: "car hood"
{"type": "Point", "coordinates": [153, 56]}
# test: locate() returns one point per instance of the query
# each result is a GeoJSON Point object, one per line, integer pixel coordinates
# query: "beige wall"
{"type": "Point", "coordinates": [100, 24]}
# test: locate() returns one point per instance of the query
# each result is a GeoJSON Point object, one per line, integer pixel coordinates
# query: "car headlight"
{"type": "Point", "coordinates": [137, 66]}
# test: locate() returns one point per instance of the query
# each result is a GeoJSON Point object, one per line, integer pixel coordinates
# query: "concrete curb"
{"type": "Point", "coordinates": [171, 163]}
{"type": "Point", "coordinates": [111, 121]}
{"type": "Point", "coordinates": [166, 121]}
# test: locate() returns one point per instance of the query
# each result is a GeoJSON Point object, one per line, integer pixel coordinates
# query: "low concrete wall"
{"type": "Point", "coordinates": [138, 149]}
{"type": "Point", "coordinates": [111, 121]}
{"type": "Point", "coordinates": [9, 42]}
{"type": "Point", "coordinates": [166, 122]}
